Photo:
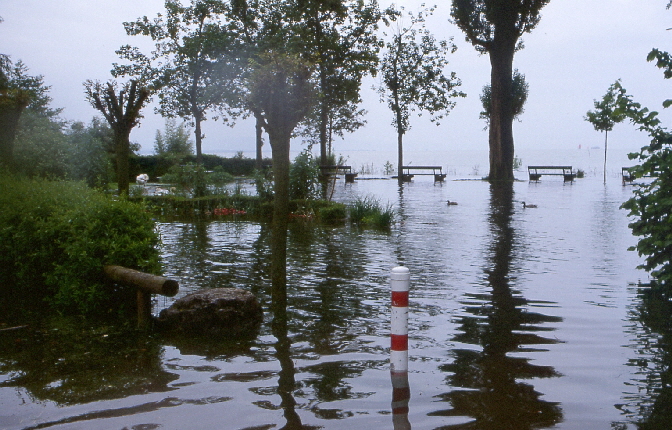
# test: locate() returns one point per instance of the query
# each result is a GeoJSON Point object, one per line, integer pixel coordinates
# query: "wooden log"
{"type": "Point", "coordinates": [146, 282]}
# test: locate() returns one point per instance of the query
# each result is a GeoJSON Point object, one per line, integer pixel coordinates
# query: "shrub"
{"type": "Point", "coordinates": [368, 211]}
{"type": "Point", "coordinates": [333, 214]}
{"type": "Point", "coordinates": [55, 238]}
{"type": "Point", "coordinates": [304, 175]}
{"type": "Point", "coordinates": [193, 180]}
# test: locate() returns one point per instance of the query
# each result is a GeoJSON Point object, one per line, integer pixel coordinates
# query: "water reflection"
{"type": "Point", "coordinates": [486, 383]}
{"type": "Point", "coordinates": [648, 401]}
{"type": "Point", "coordinates": [68, 363]}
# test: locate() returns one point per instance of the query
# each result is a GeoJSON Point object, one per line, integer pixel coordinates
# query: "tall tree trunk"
{"type": "Point", "coordinates": [259, 129]}
{"type": "Point", "coordinates": [199, 139]}
{"type": "Point", "coordinates": [400, 137]}
{"type": "Point", "coordinates": [280, 148]}
{"type": "Point", "coordinates": [10, 113]}
{"type": "Point", "coordinates": [606, 132]}
{"type": "Point", "coordinates": [122, 148]}
{"type": "Point", "coordinates": [501, 117]}
{"type": "Point", "coordinates": [400, 156]}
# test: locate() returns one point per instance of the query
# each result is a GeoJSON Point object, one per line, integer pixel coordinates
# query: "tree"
{"type": "Point", "coordinates": [651, 204]}
{"type": "Point", "coordinates": [340, 41]}
{"type": "Point", "coordinates": [606, 115]}
{"type": "Point", "coordinates": [190, 66]}
{"type": "Point", "coordinates": [92, 146]}
{"type": "Point", "coordinates": [413, 74]}
{"type": "Point", "coordinates": [495, 27]}
{"type": "Point", "coordinates": [174, 141]}
{"type": "Point", "coordinates": [281, 90]}
{"type": "Point", "coordinates": [520, 89]}
{"type": "Point", "coordinates": [17, 92]}
{"type": "Point", "coordinates": [121, 109]}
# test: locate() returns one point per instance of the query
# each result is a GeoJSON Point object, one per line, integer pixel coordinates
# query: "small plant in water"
{"type": "Point", "coordinates": [580, 173]}
{"type": "Point", "coordinates": [388, 168]}
{"type": "Point", "coordinates": [370, 212]}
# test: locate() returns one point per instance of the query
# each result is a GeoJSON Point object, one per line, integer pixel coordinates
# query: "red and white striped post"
{"type": "Point", "coordinates": [400, 281]}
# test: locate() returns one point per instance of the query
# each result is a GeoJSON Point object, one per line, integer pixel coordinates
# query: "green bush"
{"type": "Point", "coordinates": [193, 180]}
{"type": "Point", "coordinates": [368, 211]}
{"type": "Point", "coordinates": [304, 175]}
{"type": "Point", "coordinates": [55, 238]}
{"type": "Point", "coordinates": [334, 214]}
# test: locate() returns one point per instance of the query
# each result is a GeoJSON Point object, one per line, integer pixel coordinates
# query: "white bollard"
{"type": "Point", "coordinates": [400, 281]}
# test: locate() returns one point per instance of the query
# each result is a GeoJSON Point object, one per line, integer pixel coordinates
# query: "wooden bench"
{"type": "Point", "coordinates": [406, 175]}
{"type": "Point", "coordinates": [627, 176]}
{"type": "Point", "coordinates": [336, 169]}
{"type": "Point", "coordinates": [536, 172]}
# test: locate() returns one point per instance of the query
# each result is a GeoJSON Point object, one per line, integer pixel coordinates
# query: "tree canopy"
{"type": "Point", "coordinates": [606, 115]}
{"type": "Point", "coordinates": [192, 67]}
{"type": "Point", "coordinates": [413, 73]}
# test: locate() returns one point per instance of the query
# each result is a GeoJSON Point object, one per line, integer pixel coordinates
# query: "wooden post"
{"type": "Point", "coordinates": [146, 285]}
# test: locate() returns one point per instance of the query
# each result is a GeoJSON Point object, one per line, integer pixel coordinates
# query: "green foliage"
{"type": "Point", "coordinates": [339, 37]}
{"type": "Point", "coordinates": [606, 113]}
{"type": "Point", "coordinates": [91, 147]}
{"type": "Point", "coordinates": [191, 65]}
{"type": "Point", "coordinates": [413, 71]}
{"type": "Point", "coordinates": [388, 168]}
{"type": "Point", "coordinates": [335, 213]}
{"type": "Point", "coordinates": [174, 143]}
{"type": "Point", "coordinates": [520, 89]}
{"type": "Point", "coordinates": [486, 21]}
{"type": "Point", "coordinates": [370, 212]}
{"type": "Point", "coordinates": [651, 204]}
{"type": "Point", "coordinates": [193, 180]}
{"type": "Point", "coordinates": [304, 177]}
{"type": "Point", "coordinates": [263, 181]}
{"type": "Point", "coordinates": [55, 238]}
{"type": "Point", "coordinates": [41, 148]}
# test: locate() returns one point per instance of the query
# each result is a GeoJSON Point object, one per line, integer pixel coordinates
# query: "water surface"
{"type": "Point", "coordinates": [519, 319]}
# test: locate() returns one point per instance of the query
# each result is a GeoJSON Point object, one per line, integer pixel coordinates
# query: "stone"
{"type": "Point", "coordinates": [220, 312]}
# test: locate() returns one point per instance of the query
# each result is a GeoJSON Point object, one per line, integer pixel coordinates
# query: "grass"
{"type": "Point", "coordinates": [368, 211]}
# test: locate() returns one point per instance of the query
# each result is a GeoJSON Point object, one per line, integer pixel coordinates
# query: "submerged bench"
{"type": "Point", "coordinates": [627, 176]}
{"type": "Point", "coordinates": [336, 169]}
{"type": "Point", "coordinates": [536, 172]}
{"type": "Point", "coordinates": [406, 175]}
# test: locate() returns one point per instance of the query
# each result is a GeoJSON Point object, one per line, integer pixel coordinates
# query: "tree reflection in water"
{"type": "Point", "coordinates": [486, 383]}
{"type": "Point", "coordinates": [648, 401]}
{"type": "Point", "coordinates": [286, 380]}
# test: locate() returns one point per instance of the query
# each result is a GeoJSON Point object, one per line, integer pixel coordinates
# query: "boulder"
{"type": "Point", "coordinates": [221, 312]}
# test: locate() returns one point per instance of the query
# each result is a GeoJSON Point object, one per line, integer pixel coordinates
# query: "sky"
{"type": "Point", "coordinates": [578, 49]}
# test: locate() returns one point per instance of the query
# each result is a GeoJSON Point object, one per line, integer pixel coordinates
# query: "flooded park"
{"type": "Point", "coordinates": [519, 318]}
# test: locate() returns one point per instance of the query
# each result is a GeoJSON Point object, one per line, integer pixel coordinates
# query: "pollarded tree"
{"type": "Point", "coordinates": [413, 74]}
{"type": "Point", "coordinates": [121, 108]}
{"type": "Point", "coordinates": [495, 27]}
{"type": "Point", "coordinates": [190, 65]}
{"type": "Point", "coordinates": [607, 114]}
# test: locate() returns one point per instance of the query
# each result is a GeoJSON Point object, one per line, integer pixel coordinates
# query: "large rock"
{"type": "Point", "coordinates": [227, 312]}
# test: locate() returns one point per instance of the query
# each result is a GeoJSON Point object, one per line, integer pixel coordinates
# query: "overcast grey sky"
{"type": "Point", "coordinates": [578, 50]}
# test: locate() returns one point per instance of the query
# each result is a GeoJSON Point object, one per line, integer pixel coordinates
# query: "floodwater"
{"type": "Point", "coordinates": [518, 319]}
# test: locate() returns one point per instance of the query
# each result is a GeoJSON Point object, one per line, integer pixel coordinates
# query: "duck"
{"type": "Point", "coordinates": [451, 203]}
{"type": "Point", "coordinates": [525, 205]}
